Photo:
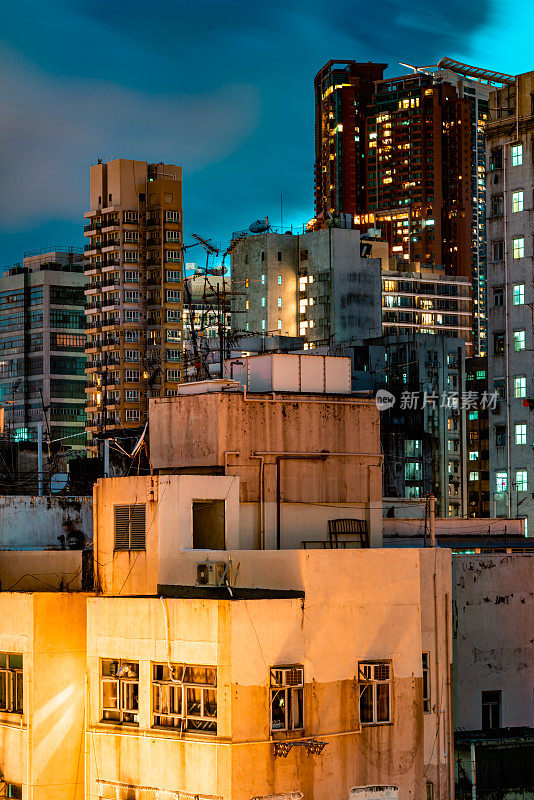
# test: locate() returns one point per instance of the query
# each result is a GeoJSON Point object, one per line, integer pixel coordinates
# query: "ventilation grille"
{"type": "Point", "coordinates": [130, 527]}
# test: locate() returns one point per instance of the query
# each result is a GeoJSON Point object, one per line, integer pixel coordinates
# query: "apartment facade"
{"type": "Point", "coordinates": [42, 343]}
{"type": "Point", "coordinates": [425, 161]}
{"type": "Point", "coordinates": [510, 280]}
{"type": "Point", "coordinates": [134, 292]}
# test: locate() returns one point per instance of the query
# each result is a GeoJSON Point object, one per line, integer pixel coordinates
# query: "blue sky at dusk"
{"type": "Point", "coordinates": [223, 88]}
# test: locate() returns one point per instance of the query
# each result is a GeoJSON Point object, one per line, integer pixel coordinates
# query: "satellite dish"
{"type": "Point", "coordinates": [259, 226]}
{"type": "Point", "coordinates": [58, 481]}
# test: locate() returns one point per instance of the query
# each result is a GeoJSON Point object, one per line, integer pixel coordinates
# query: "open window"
{"type": "Point", "coordinates": [120, 691]}
{"type": "Point", "coordinates": [287, 699]}
{"type": "Point", "coordinates": [375, 692]}
{"type": "Point", "coordinates": [185, 697]}
{"type": "Point", "coordinates": [209, 525]}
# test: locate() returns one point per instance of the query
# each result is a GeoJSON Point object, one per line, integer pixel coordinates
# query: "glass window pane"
{"type": "Point", "coordinates": [382, 702]}
{"type": "Point", "coordinates": [18, 693]}
{"type": "Point", "coordinates": [210, 703]}
{"type": "Point", "coordinates": [297, 709]}
{"type": "Point", "coordinates": [110, 694]}
{"type": "Point", "coordinates": [278, 709]}
{"type": "Point", "coordinates": [15, 660]}
{"type": "Point", "coordinates": [130, 696]}
{"type": "Point", "coordinates": [366, 703]}
{"type": "Point", "coordinates": [3, 690]}
{"type": "Point", "coordinates": [194, 702]}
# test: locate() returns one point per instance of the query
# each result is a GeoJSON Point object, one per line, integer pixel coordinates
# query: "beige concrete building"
{"type": "Point", "coordinates": [42, 695]}
{"type": "Point", "coordinates": [134, 295]}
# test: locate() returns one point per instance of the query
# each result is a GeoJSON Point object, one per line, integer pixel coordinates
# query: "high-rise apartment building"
{"type": "Point", "coordinates": [420, 138]}
{"type": "Point", "coordinates": [134, 291]}
{"type": "Point", "coordinates": [42, 341]}
{"type": "Point", "coordinates": [510, 181]}
{"type": "Point", "coordinates": [334, 287]}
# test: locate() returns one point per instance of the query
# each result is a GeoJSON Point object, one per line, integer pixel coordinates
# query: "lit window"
{"type": "Point", "coordinates": [519, 247]}
{"type": "Point", "coordinates": [279, 324]}
{"type": "Point", "coordinates": [520, 433]}
{"type": "Point", "coordinates": [263, 325]}
{"type": "Point", "coordinates": [473, 476]}
{"type": "Point", "coordinates": [287, 698]}
{"type": "Point", "coordinates": [521, 480]}
{"type": "Point", "coordinates": [279, 302]}
{"type": "Point", "coordinates": [473, 415]}
{"type": "Point", "coordinates": [519, 340]}
{"type": "Point", "coordinates": [501, 481]}
{"type": "Point", "coordinates": [247, 305]}
{"type": "Point", "coordinates": [119, 683]}
{"type": "Point", "coordinates": [263, 278]}
{"type": "Point", "coordinates": [473, 455]}
{"type": "Point", "coordinates": [517, 155]}
{"type": "Point", "coordinates": [279, 280]}
{"type": "Point", "coordinates": [517, 201]}
{"type": "Point", "coordinates": [263, 302]}
{"type": "Point", "coordinates": [519, 294]}
{"type": "Point", "coordinates": [375, 692]}
{"type": "Point", "coordinates": [11, 682]}
{"type": "Point", "coordinates": [520, 386]}
{"type": "Point", "coordinates": [184, 697]}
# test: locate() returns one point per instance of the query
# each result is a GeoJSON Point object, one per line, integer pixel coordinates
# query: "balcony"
{"type": "Point", "coordinates": [110, 283]}
{"type": "Point", "coordinates": [94, 304]}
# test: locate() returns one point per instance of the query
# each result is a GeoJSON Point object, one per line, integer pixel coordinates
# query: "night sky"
{"type": "Point", "coordinates": [223, 88]}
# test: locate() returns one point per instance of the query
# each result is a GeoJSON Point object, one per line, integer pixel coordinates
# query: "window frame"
{"type": "Point", "coordinates": [121, 682]}
{"type": "Point", "coordinates": [520, 386]}
{"type": "Point", "coordinates": [290, 690]}
{"type": "Point", "coordinates": [364, 682]}
{"type": "Point", "coordinates": [427, 686]}
{"type": "Point", "coordinates": [202, 723]}
{"type": "Point", "coordinates": [517, 155]}
{"type": "Point", "coordinates": [13, 677]}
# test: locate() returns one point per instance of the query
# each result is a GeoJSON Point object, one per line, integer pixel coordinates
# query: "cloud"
{"type": "Point", "coordinates": [50, 131]}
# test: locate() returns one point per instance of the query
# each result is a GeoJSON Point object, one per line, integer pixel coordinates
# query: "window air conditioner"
{"type": "Point", "coordinates": [210, 573]}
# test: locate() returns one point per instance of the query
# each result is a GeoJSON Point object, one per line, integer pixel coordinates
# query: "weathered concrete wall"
{"type": "Point", "coordinates": [34, 523]}
{"type": "Point", "coordinates": [494, 645]}
{"type": "Point", "coordinates": [42, 749]}
{"type": "Point", "coordinates": [41, 571]}
{"type": "Point", "coordinates": [225, 432]}
{"type": "Point", "coordinates": [358, 605]}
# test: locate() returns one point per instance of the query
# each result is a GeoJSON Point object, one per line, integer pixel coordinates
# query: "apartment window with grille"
{"type": "Point", "coordinates": [521, 480]}
{"type": "Point", "coordinates": [173, 255]}
{"type": "Point", "coordinates": [132, 415]}
{"type": "Point", "coordinates": [375, 692]}
{"type": "Point", "coordinates": [497, 205]}
{"type": "Point", "coordinates": [132, 396]}
{"type": "Point", "coordinates": [131, 375]}
{"type": "Point", "coordinates": [519, 340]}
{"type": "Point", "coordinates": [518, 294]}
{"type": "Point", "coordinates": [11, 682]}
{"type": "Point", "coordinates": [496, 158]}
{"type": "Point", "coordinates": [119, 684]}
{"type": "Point", "coordinates": [172, 216]}
{"type": "Point", "coordinates": [173, 355]}
{"type": "Point", "coordinates": [498, 297]}
{"type": "Point", "coordinates": [131, 316]}
{"type": "Point", "coordinates": [426, 683]}
{"type": "Point", "coordinates": [172, 236]}
{"type": "Point", "coordinates": [131, 276]}
{"type": "Point", "coordinates": [173, 296]}
{"type": "Point", "coordinates": [517, 201]}
{"type": "Point", "coordinates": [184, 696]}
{"type": "Point", "coordinates": [131, 336]}
{"type": "Point", "coordinates": [131, 216]}
{"type": "Point", "coordinates": [131, 255]}
{"type": "Point", "coordinates": [131, 236]}
{"type": "Point", "coordinates": [173, 375]}
{"type": "Point", "coordinates": [279, 280]}
{"type": "Point", "coordinates": [287, 698]}
{"type": "Point", "coordinates": [130, 296]}
{"type": "Point", "coordinates": [174, 335]}
{"type": "Point", "coordinates": [173, 275]}
{"type": "Point", "coordinates": [173, 316]}
{"type": "Point", "coordinates": [131, 355]}
{"type": "Point", "coordinates": [130, 526]}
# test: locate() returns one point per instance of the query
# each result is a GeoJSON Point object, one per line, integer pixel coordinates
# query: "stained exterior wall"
{"type": "Point", "coordinates": [43, 749]}
{"type": "Point", "coordinates": [357, 606]}
{"type": "Point", "coordinates": [34, 523]}
{"type": "Point", "coordinates": [494, 650]}
{"type": "Point", "coordinates": [204, 432]}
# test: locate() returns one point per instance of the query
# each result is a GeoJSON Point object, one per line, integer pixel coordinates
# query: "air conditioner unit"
{"type": "Point", "coordinates": [210, 573]}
